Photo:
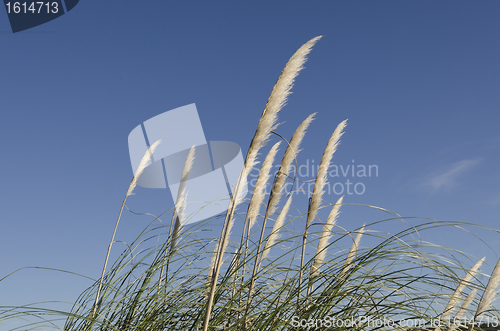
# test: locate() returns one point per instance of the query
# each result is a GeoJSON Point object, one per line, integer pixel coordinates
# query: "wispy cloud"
{"type": "Point", "coordinates": [450, 177]}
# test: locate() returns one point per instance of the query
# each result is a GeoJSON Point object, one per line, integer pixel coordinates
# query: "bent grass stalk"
{"type": "Point", "coordinates": [179, 211]}
{"type": "Point", "coordinates": [291, 152]}
{"type": "Point", "coordinates": [145, 161]}
{"type": "Point", "coordinates": [326, 234]}
{"type": "Point", "coordinates": [318, 191]}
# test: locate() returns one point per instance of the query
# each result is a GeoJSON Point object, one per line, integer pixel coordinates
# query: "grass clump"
{"type": "Point", "coordinates": [271, 277]}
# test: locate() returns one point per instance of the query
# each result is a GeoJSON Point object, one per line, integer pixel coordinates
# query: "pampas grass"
{"type": "Point", "coordinates": [260, 186]}
{"type": "Point", "coordinates": [353, 251]}
{"type": "Point", "coordinates": [290, 155]}
{"type": "Point", "coordinates": [326, 234]}
{"type": "Point", "coordinates": [145, 161]}
{"type": "Point", "coordinates": [320, 183]}
{"type": "Point", "coordinates": [325, 237]}
{"type": "Point", "coordinates": [179, 210]}
{"type": "Point", "coordinates": [489, 292]}
{"type": "Point", "coordinates": [211, 266]}
{"type": "Point", "coordinates": [321, 177]}
{"type": "Point", "coordinates": [276, 101]}
{"type": "Point", "coordinates": [450, 307]}
{"type": "Point", "coordinates": [180, 202]}
{"type": "Point", "coordinates": [395, 278]}
{"type": "Point", "coordinates": [463, 309]}
{"type": "Point", "coordinates": [275, 232]}
{"type": "Point", "coordinates": [267, 123]}
{"type": "Point", "coordinates": [258, 195]}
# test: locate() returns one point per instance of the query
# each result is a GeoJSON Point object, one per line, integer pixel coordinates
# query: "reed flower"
{"type": "Point", "coordinates": [489, 292]}
{"type": "Point", "coordinates": [450, 307]}
{"type": "Point", "coordinates": [180, 202]}
{"type": "Point", "coordinates": [276, 101]}
{"type": "Point", "coordinates": [353, 251]}
{"type": "Point", "coordinates": [319, 184]}
{"type": "Point", "coordinates": [291, 153]}
{"type": "Point", "coordinates": [326, 234]}
{"type": "Point", "coordinates": [463, 309]}
{"type": "Point", "coordinates": [145, 161]}
{"type": "Point", "coordinates": [321, 177]}
{"type": "Point", "coordinates": [275, 232]}
{"type": "Point", "coordinates": [260, 186]}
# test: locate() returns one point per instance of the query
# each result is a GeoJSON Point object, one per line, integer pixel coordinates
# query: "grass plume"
{"type": "Point", "coordinates": [260, 186]}
{"type": "Point", "coordinates": [319, 185]}
{"type": "Point", "coordinates": [450, 307]}
{"type": "Point", "coordinates": [326, 234]}
{"type": "Point", "coordinates": [290, 155]}
{"type": "Point", "coordinates": [276, 101]}
{"type": "Point", "coordinates": [464, 308]}
{"type": "Point", "coordinates": [353, 251]}
{"type": "Point", "coordinates": [275, 232]}
{"type": "Point", "coordinates": [145, 161]}
{"type": "Point", "coordinates": [489, 292]}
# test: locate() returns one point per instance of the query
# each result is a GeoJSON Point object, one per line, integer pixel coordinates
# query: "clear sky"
{"type": "Point", "coordinates": [419, 82]}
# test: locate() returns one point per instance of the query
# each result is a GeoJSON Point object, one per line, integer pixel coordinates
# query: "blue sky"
{"type": "Point", "coordinates": [418, 82]}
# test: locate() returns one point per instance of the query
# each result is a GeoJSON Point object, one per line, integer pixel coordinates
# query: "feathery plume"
{"type": "Point", "coordinates": [177, 226]}
{"type": "Point", "coordinates": [180, 202]}
{"type": "Point", "coordinates": [319, 184]}
{"type": "Point", "coordinates": [463, 309]}
{"type": "Point", "coordinates": [450, 307]}
{"type": "Point", "coordinates": [213, 260]}
{"type": "Point", "coordinates": [276, 101]}
{"type": "Point", "coordinates": [354, 248]}
{"type": "Point", "coordinates": [321, 177]}
{"type": "Point", "coordinates": [275, 232]}
{"type": "Point", "coordinates": [145, 161]}
{"type": "Point", "coordinates": [178, 215]}
{"type": "Point", "coordinates": [258, 194]}
{"type": "Point", "coordinates": [239, 191]}
{"type": "Point", "coordinates": [325, 237]}
{"type": "Point", "coordinates": [291, 153]}
{"type": "Point", "coordinates": [211, 266]}
{"type": "Point", "coordinates": [489, 292]}
{"type": "Point", "coordinates": [260, 186]}
{"type": "Point", "coordinates": [226, 237]}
